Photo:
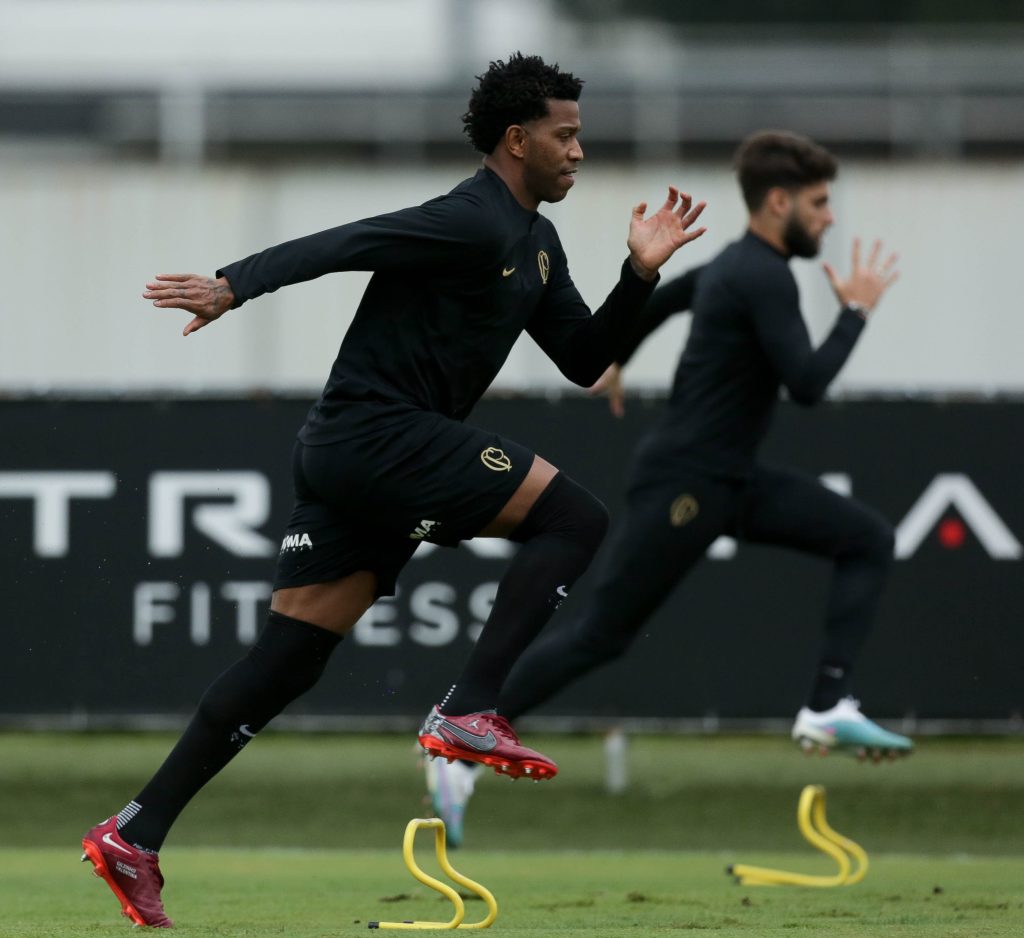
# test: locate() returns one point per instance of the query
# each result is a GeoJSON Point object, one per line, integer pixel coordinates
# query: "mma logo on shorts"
{"type": "Point", "coordinates": [296, 542]}
{"type": "Point", "coordinates": [494, 458]}
{"type": "Point", "coordinates": [683, 510]}
{"type": "Point", "coordinates": [544, 263]}
{"type": "Point", "coordinates": [423, 529]}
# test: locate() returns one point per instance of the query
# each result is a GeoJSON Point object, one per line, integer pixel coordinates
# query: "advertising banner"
{"type": "Point", "coordinates": [139, 539]}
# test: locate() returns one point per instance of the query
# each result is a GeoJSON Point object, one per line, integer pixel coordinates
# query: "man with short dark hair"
{"type": "Point", "coordinates": [384, 460]}
{"type": "Point", "coordinates": [697, 475]}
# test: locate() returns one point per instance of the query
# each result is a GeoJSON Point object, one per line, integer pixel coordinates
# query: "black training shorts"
{"type": "Point", "coordinates": [366, 503]}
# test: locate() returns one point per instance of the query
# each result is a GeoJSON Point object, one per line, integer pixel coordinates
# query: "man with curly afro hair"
{"type": "Point", "coordinates": [385, 461]}
{"type": "Point", "coordinates": [514, 92]}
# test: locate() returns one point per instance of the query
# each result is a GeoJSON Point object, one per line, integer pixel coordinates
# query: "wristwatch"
{"type": "Point", "coordinates": [857, 308]}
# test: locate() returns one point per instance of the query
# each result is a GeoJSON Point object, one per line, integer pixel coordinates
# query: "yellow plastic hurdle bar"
{"type": "Point", "coordinates": [810, 817]}
{"type": "Point", "coordinates": [408, 843]}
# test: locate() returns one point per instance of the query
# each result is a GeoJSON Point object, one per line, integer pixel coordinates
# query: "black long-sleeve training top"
{"type": "Point", "coordinates": [748, 338]}
{"type": "Point", "coordinates": [455, 281]}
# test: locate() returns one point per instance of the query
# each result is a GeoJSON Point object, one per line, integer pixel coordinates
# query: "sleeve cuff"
{"type": "Point", "coordinates": [628, 274]}
{"type": "Point", "coordinates": [226, 273]}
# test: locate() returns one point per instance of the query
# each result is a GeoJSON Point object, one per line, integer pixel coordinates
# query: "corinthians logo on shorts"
{"type": "Point", "coordinates": [544, 263]}
{"type": "Point", "coordinates": [494, 458]}
{"type": "Point", "coordinates": [683, 510]}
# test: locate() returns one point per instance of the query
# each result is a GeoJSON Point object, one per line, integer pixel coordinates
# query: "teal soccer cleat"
{"type": "Point", "coordinates": [844, 727]}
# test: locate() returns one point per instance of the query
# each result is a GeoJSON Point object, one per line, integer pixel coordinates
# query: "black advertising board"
{"type": "Point", "coordinates": [139, 539]}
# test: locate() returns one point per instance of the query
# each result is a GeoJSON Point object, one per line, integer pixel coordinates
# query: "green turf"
{"type": "Point", "coordinates": [715, 793]}
{"type": "Point", "coordinates": [301, 836]}
{"type": "Point", "coordinates": [314, 894]}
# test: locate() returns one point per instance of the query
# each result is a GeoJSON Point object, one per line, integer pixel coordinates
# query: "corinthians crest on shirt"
{"type": "Point", "coordinates": [544, 265]}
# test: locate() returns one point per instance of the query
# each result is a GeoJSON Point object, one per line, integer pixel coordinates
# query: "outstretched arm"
{"type": "Point", "coordinates": [208, 298]}
{"type": "Point", "coordinates": [807, 371]}
{"type": "Point", "coordinates": [454, 228]}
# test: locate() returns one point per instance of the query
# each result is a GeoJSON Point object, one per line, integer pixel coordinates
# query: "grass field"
{"type": "Point", "coordinates": [301, 837]}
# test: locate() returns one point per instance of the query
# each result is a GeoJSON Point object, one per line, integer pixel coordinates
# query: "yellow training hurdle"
{"type": "Point", "coordinates": [456, 921]}
{"type": "Point", "coordinates": [810, 817]}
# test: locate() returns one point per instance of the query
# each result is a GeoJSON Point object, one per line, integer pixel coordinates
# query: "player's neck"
{"type": "Point", "coordinates": [768, 232]}
{"type": "Point", "coordinates": [511, 174]}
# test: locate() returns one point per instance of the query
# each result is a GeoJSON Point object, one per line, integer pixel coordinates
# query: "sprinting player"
{"type": "Point", "coordinates": [384, 460]}
{"type": "Point", "coordinates": [697, 475]}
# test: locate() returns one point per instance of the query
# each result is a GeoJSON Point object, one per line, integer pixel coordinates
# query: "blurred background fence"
{"type": "Point", "coordinates": [146, 136]}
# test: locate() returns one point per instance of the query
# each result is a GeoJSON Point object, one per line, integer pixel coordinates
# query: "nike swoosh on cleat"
{"type": "Point", "coordinates": [507, 271]}
{"type": "Point", "coordinates": [245, 731]}
{"type": "Point", "coordinates": [483, 743]}
{"type": "Point", "coordinates": [110, 843]}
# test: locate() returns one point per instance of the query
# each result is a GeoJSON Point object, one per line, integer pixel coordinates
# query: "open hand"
{"type": "Point", "coordinates": [867, 282]}
{"type": "Point", "coordinates": [610, 385]}
{"type": "Point", "coordinates": [652, 241]}
{"type": "Point", "coordinates": [207, 298]}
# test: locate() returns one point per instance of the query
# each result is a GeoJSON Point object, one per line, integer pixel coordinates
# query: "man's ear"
{"type": "Point", "coordinates": [515, 140]}
{"type": "Point", "coordinates": [778, 201]}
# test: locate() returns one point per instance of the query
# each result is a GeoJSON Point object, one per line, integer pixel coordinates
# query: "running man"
{"type": "Point", "coordinates": [385, 461]}
{"type": "Point", "coordinates": [697, 475]}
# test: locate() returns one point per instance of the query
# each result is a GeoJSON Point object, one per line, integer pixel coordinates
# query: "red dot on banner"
{"type": "Point", "coordinates": [952, 533]}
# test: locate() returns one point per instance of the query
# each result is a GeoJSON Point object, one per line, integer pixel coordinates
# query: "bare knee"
{"type": "Point", "coordinates": [335, 605]}
{"type": "Point", "coordinates": [518, 506]}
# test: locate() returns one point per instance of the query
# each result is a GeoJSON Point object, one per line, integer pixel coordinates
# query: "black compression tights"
{"type": "Point", "coordinates": [651, 552]}
{"type": "Point", "coordinates": [559, 537]}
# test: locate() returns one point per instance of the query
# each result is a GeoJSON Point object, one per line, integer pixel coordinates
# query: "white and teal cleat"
{"type": "Point", "coordinates": [844, 727]}
{"type": "Point", "coordinates": [451, 785]}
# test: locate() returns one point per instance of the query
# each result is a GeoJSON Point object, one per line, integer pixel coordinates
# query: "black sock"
{"type": "Point", "coordinates": [857, 583]}
{"type": "Point", "coordinates": [287, 660]}
{"type": "Point", "coordinates": [560, 536]}
{"type": "Point", "coordinates": [831, 684]}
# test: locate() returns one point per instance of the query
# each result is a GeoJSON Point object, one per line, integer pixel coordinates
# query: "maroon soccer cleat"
{"type": "Point", "coordinates": [133, 875]}
{"type": "Point", "coordinates": [483, 737]}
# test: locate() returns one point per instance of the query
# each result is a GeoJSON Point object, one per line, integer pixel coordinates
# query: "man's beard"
{"type": "Point", "coordinates": [798, 240]}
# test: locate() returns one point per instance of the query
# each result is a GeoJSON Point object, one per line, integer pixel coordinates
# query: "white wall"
{"type": "Point", "coordinates": [115, 43]}
{"type": "Point", "coordinates": [78, 242]}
